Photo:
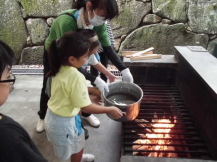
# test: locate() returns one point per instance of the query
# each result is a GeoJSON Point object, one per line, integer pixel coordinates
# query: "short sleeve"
{"type": "Point", "coordinates": [92, 60]}
{"type": "Point", "coordinates": [79, 94]}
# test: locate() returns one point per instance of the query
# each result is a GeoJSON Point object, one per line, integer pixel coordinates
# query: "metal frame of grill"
{"type": "Point", "coordinates": [162, 101]}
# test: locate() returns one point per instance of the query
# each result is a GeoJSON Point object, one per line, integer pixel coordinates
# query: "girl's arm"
{"type": "Point", "coordinates": [103, 70]}
{"type": "Point", "coordinates": [101, 85]}
{"type": "Point", "coordinates": [98, 109]}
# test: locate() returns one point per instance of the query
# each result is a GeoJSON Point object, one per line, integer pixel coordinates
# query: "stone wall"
{"type": "Point", "coordinates": [161, 24]}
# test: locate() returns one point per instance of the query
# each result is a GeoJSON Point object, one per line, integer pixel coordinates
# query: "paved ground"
{"type": "Point", "coordinates": [22, 105]}
{"type": "Point", "coordinates": [104, 142]}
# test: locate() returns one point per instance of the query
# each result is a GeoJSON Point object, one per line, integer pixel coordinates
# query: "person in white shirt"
{"type": "Point", "coordinates": [90, 34]}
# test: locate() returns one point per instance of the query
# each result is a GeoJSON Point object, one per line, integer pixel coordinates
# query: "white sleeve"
{"type": "Point", "coordinates": [92, 60]}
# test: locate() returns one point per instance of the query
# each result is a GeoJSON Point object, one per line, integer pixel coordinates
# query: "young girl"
{"type": "Point", "coordinates": [91, 35]}
{"type": "Point", "coordinates": [15, 142]}
{"type": "Point", "coordinates": [69, 95]}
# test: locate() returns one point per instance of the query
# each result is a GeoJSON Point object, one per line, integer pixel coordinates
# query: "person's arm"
{"type": "Point", "coordinates": [87, 75]}
{"type": "Point", "coordinates": [103, 70]}
{"type": "Point", "coordinates": [30, 153]}
{"type": "Point", "coordinates": [16, 141]}
{"type": "Point", "coordinates": [111, 54]}
{"type": "Point", "coordinates": [114, 58]}
{"type": "Point", "coordinates": [98, 109]}
{"type": "Point", "coordinates": [100, 84]}
{"type": "Point", "coordinates": [104, 39]}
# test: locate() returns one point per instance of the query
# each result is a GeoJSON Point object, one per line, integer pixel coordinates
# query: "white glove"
{"type": "Point", "coordinates": [101, 84]}
{"type": "Point", "coordinates": [127, 76]}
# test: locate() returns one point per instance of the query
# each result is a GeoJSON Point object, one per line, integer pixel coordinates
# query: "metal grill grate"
{"type": "Point", "coordinates": [38, 70]}
{"type": "Point", "coordinates": [163, 127]}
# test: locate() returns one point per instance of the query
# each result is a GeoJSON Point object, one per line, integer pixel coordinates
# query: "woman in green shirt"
{"type": "Point", "coordinates": [89, 14]}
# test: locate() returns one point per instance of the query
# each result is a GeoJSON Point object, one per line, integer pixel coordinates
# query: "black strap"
{"type": "Point", "coordinates": [68, 15]}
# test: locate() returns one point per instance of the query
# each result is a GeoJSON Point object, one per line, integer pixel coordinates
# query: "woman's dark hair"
{"type": "Point", "coordinates": [6, 57]}
{"type": "Point", "coordinates": [90, 35]}
{"type": "Point", "coordinates": [110, 6]}
{"type": "Point", "coordinates": [71, 44]}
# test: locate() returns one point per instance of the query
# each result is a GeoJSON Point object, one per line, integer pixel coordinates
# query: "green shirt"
{"type": "Point", "coordinates": [65, 23]}
{"type": "Point", "coordinates": [68, 92]}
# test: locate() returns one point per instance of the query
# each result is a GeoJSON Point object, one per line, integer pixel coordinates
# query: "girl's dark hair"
{"type": "Point", "coordinates": [89, 34]}
{"type": "Point", "coordinates": [110, 6]}
{"type": "Point", "coordinates": [6, 57]}
{"type": "Point", "coordinates": [71, 44]}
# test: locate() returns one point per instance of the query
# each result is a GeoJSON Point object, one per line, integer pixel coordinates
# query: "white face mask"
{"type": "Point", "coordinates": [96, 20]}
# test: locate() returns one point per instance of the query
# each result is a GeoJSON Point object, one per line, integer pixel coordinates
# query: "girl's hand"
{"type": "Point", "coordinates": [94, 91]}
{"type": "Point", "coordinates": [115, 112]}
{"type": "Point", "coordinates": [111, 78]}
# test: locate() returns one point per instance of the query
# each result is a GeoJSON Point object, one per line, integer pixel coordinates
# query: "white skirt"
{"type": "Point", "coordinates": [63, 134]}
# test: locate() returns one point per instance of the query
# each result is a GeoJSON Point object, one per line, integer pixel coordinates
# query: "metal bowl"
{"type": "Point", "coordinates": [126, 96]}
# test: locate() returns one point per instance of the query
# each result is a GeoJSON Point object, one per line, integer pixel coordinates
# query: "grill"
{"type": "Point", "coordinates": [164, 127]}
{"type": "Point", "coordinates": [178, 112]}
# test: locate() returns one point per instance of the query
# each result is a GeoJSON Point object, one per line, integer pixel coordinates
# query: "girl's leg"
{"type": "Point", "coordinates": [80, 157]}
{"type": "Point", "coordinates": [77, 157]}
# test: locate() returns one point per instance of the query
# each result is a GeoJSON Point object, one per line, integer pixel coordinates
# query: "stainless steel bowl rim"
{"type": "Point", "coordinates": [139, 100]}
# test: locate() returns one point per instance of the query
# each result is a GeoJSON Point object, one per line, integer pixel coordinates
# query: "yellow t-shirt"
{"type": "Point", "coordinates": [68, 92]}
